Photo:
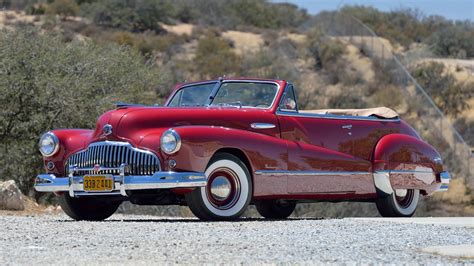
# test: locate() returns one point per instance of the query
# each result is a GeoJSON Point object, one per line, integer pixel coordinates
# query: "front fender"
{"type": "Point", "coordinates": [409, 162]}
{"type": "Point", "coordinates": [70, 141]}
{"type": "Point", "coordinates": [200, 143]}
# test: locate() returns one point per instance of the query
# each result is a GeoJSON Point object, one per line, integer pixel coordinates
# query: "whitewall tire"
{"type": "Point", "coordinates": [228, 191]}
{"type": "Point", "coordinates": [401, 203]}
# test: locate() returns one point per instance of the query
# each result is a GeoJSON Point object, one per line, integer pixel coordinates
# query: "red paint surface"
{"type": "Point", "coordinates": [295, 144]}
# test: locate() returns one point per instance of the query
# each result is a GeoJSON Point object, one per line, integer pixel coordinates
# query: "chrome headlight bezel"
{"type": "Point", "coordinates": [166, 137]}
{"type": "Point", "coordinates": [53, 139]}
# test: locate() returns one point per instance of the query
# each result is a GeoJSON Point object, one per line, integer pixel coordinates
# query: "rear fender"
{"type": "Point", "coordinates": [405, 162]}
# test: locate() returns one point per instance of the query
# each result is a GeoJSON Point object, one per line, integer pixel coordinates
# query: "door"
{"type": "Point", "coordinates": [320, 156]}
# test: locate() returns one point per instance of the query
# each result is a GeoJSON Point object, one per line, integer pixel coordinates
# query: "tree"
{"type": "Point", "coordinates": [46, 84]}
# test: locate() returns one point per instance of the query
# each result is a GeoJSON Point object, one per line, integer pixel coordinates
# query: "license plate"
{"type": "Point", "coordinates": [98, 183]}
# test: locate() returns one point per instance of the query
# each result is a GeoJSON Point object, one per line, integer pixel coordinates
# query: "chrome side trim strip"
{"type": "Point", "coordinates": [330, 116]}
{"type": "Point", "coordinates": [405, 172]}
{"type": "Point", "coordinates": [307, 173]}
{"type": "Point", "coordinates": [262, 125]}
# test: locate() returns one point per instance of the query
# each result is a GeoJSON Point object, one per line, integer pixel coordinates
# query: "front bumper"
{"type": "Point", "coordinates": [122, 183]}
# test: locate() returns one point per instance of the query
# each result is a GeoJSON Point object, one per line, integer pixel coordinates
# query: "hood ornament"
{"type": "Point", "coordinates": [107, 130]}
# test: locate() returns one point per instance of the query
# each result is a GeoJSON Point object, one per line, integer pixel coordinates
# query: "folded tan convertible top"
{"type": "Point", "coordinates": [383, 112]}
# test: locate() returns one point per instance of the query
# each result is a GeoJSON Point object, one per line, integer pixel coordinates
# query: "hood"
{"type": "Point", "coordinates": [134, 123]}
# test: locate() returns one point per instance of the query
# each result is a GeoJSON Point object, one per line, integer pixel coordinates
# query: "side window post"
{"type": "Point", "coordinates": [288, 101]}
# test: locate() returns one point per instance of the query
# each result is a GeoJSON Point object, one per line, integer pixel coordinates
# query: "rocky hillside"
{"type": "Point", "coordinates": [89, 54]}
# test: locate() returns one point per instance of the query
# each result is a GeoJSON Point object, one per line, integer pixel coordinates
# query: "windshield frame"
{"type": "Point", "coordinates": [217, 88]}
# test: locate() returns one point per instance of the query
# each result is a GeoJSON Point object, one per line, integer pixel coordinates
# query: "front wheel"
{"type": "Point", "coordinates": [401, 203]}
{"type": "Point", "coordinates": [228, 191]}
{"type": "Point", "coordinates": [87, 208]}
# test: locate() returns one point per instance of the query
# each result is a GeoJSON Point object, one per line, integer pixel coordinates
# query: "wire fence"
{"type": "Point", "coordinates": [421, 112]}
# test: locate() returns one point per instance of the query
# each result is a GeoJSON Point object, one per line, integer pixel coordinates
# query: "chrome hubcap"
{"type": "Point", "coordinates": [401, 192]}
{"type": "Point", "coordinates": [220, 188]}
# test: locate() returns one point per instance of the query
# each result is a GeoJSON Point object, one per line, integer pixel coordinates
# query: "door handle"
{"type": "Point", "coordinates": [262, 125]}
{"type": "Point", "coordinates": [347, 126]}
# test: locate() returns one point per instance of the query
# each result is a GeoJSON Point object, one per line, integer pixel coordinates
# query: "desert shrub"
{"type": "Point", "coordinates": [46, 83]}
{"type": "Point", "coordinates": [148, 43]}
{"type": "Point", "coordinates": [466, 129]}
{"type": "Point", "coordinates": [136, 16]}
{"type": "Point", "coordinates": [387, 95]}
{"type": "Point", "coordinates": [347, 100]}
{"type": "Point", "coordinates": [63, 8]}
{"type": "Point", "coordinates": [36, 9]}
{"type": "Point", "coordinates": [214, 57]}
{"type": "Point", "coordinates": [324, 50]}
{"type": "Point", "coordinates": [448, 94]}
{"type": "Point", "coordinates": [234, 13]}
{"type": "Point", "coordinates": [16, 4]}
{"type": "Point", "coordinates": [453, 41]}
{"type": "Point", "coordinates": [403, 26]}
{"type": "Point", "coordinates": [268, 63]}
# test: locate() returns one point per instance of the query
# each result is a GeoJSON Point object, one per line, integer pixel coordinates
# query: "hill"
{"type": "Point", "coordinates": [89, 54]}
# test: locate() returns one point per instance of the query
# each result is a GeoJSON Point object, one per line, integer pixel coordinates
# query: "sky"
{"type": "Point", "coordinates": [451, 9]}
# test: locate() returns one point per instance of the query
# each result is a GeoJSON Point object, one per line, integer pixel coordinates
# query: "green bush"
{"type": "Point", "coordinates": [466, 128]}
{"type": "Point", "coordinates": [47, 84]}
{"type": "Point", "coordinates": [136, 16]}
{"type": "Point", "coordinates": [346, 100]}
{"type": "Point", "coordinates": [214, 57]}
{"type": "Point", "coordinates": [64, 8]}
{"type": "Point", "coordinates": [449, 95]}
{"type": "Point", "coordinates": [233, 13]}
{"type": "Point", "coordinates": [454, 41]}
{"type": "Point", "coordinates": [324, 50]}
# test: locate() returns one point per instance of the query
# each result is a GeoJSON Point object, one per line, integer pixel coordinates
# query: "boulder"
{"type": "Point", "coordinates": [11, 197]}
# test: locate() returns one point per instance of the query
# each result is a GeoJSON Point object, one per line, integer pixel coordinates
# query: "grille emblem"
{"type": "Point", "coordinates": [96, 168]}
{"type": "Point", "coordinates": [107, 130]}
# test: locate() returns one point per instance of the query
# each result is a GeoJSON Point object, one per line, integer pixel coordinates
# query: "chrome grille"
{"type": "Point", "coordinates": [112, 154]}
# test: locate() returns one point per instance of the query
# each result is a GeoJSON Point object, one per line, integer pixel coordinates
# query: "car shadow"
{"type": "Point", "coordinates": [195, 220]}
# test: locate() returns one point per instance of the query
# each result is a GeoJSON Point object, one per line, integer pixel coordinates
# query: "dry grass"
{"type": "Point", "coordinates": [244, 42]}
{"type": "Point", "coordinates": [380, 46]}
{"type": "Point", "coordinates": [362, 65]}
{"type": "Point", "coordinates": [8, 18]}
{"type": "Point", "coordinates": [297, 38]}
{"type": "Point", "coordinates": [179, 29]}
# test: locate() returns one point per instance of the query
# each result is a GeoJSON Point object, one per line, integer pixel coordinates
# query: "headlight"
{"type": "Point", "coordinates": [48, 144]}
{"type": "Point", "coordinates": [170, 141]}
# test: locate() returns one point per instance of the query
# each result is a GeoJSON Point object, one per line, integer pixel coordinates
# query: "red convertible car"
{"type": "Point", "coordinates": [219, 145]}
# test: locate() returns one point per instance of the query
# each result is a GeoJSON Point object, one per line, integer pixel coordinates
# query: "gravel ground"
{"type": "Point", "coordinates": [130, 239]}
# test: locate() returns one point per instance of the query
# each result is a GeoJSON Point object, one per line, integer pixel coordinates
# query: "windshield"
{"type": "Point", "coordinates": [195, 95]}
{"type": "Point", "coordinates": [240, 94]}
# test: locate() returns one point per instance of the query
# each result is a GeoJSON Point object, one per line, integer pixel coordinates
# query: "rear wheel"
{"type": "Point", "coordinates": [228, 191]}
{"type": "Point", "coordinates": [87, 208]}
{"type": "Point", "coordinates": [273, 209]}
{"type": "Point", "coordinates": [401, 203]}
